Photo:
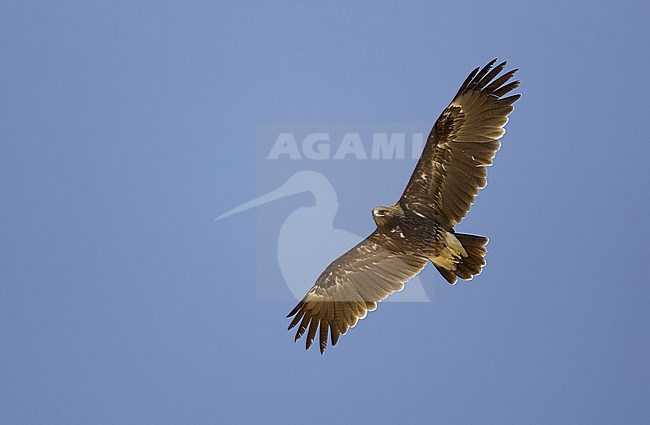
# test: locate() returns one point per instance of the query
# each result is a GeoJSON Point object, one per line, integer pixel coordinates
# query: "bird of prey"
{"type": "Point", "coordinates": [419, 227]}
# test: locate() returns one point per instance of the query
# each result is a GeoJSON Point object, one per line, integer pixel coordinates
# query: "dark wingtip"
{"type": "Point", "coordinates": [487, 68]}
{"type": "Point", "coordinates": [295, 310]}
{"type": "Point", "coordinates": [467, 81]}
{"type": "Point", "coordinates": [478, 77]}
{"type": "Point", "coordinates": [334, 334]}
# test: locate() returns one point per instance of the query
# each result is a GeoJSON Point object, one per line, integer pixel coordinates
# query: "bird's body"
{"type": "Point", "coordinates": [420, 226]}
{"type": "Point", "coordinates": [412, 233]}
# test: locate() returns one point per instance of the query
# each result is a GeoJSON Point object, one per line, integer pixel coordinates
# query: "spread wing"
{"type": "Point", "coordinates": [351, 286]}
{"type": "Point", "coordinates": [461, 144]}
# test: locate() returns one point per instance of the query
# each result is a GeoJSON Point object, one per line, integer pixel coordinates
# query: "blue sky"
{"type": "Point", "coordinates": [127, 127]}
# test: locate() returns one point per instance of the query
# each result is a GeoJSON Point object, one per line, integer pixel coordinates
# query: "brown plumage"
{"type": "Point", "coordinates": [420, 226]}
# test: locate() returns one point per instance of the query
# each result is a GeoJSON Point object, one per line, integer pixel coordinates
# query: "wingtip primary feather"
{"type": "Point", "coordinates": [489, 76]}
{"type": "Point", "coordinates": [482, 73]}
{"type": "Point", "coordinates": [313, 327]}
{"type": "Point", "coordinates": [295, 309]}
{"type": "Point", "coordinates": [506, 89]}
{"type": "Point", "coordinates": [467, 81]}
{"type": "Point", "coordinates": [299, 314]}
{"type": "Point", "coordinates": [324, 329]}
{"type": "Point", "coordinates": [302, 328]}
{"type": "Point", "coordinates": [481, 77]}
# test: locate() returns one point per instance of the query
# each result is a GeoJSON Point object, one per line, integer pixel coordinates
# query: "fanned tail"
{"type": "Point", "coordinates": [469, 266]}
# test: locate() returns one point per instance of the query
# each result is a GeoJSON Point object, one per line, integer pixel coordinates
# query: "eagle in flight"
{"type": "Point", "coordinates": [420, 225]}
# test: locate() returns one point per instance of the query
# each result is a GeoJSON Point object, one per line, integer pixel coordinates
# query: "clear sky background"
{"type": "Point", "coordinates": [127, 127]}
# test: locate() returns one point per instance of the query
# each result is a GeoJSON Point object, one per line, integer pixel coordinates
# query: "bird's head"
{"type": "Point", "coordinates": [384, 215]}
